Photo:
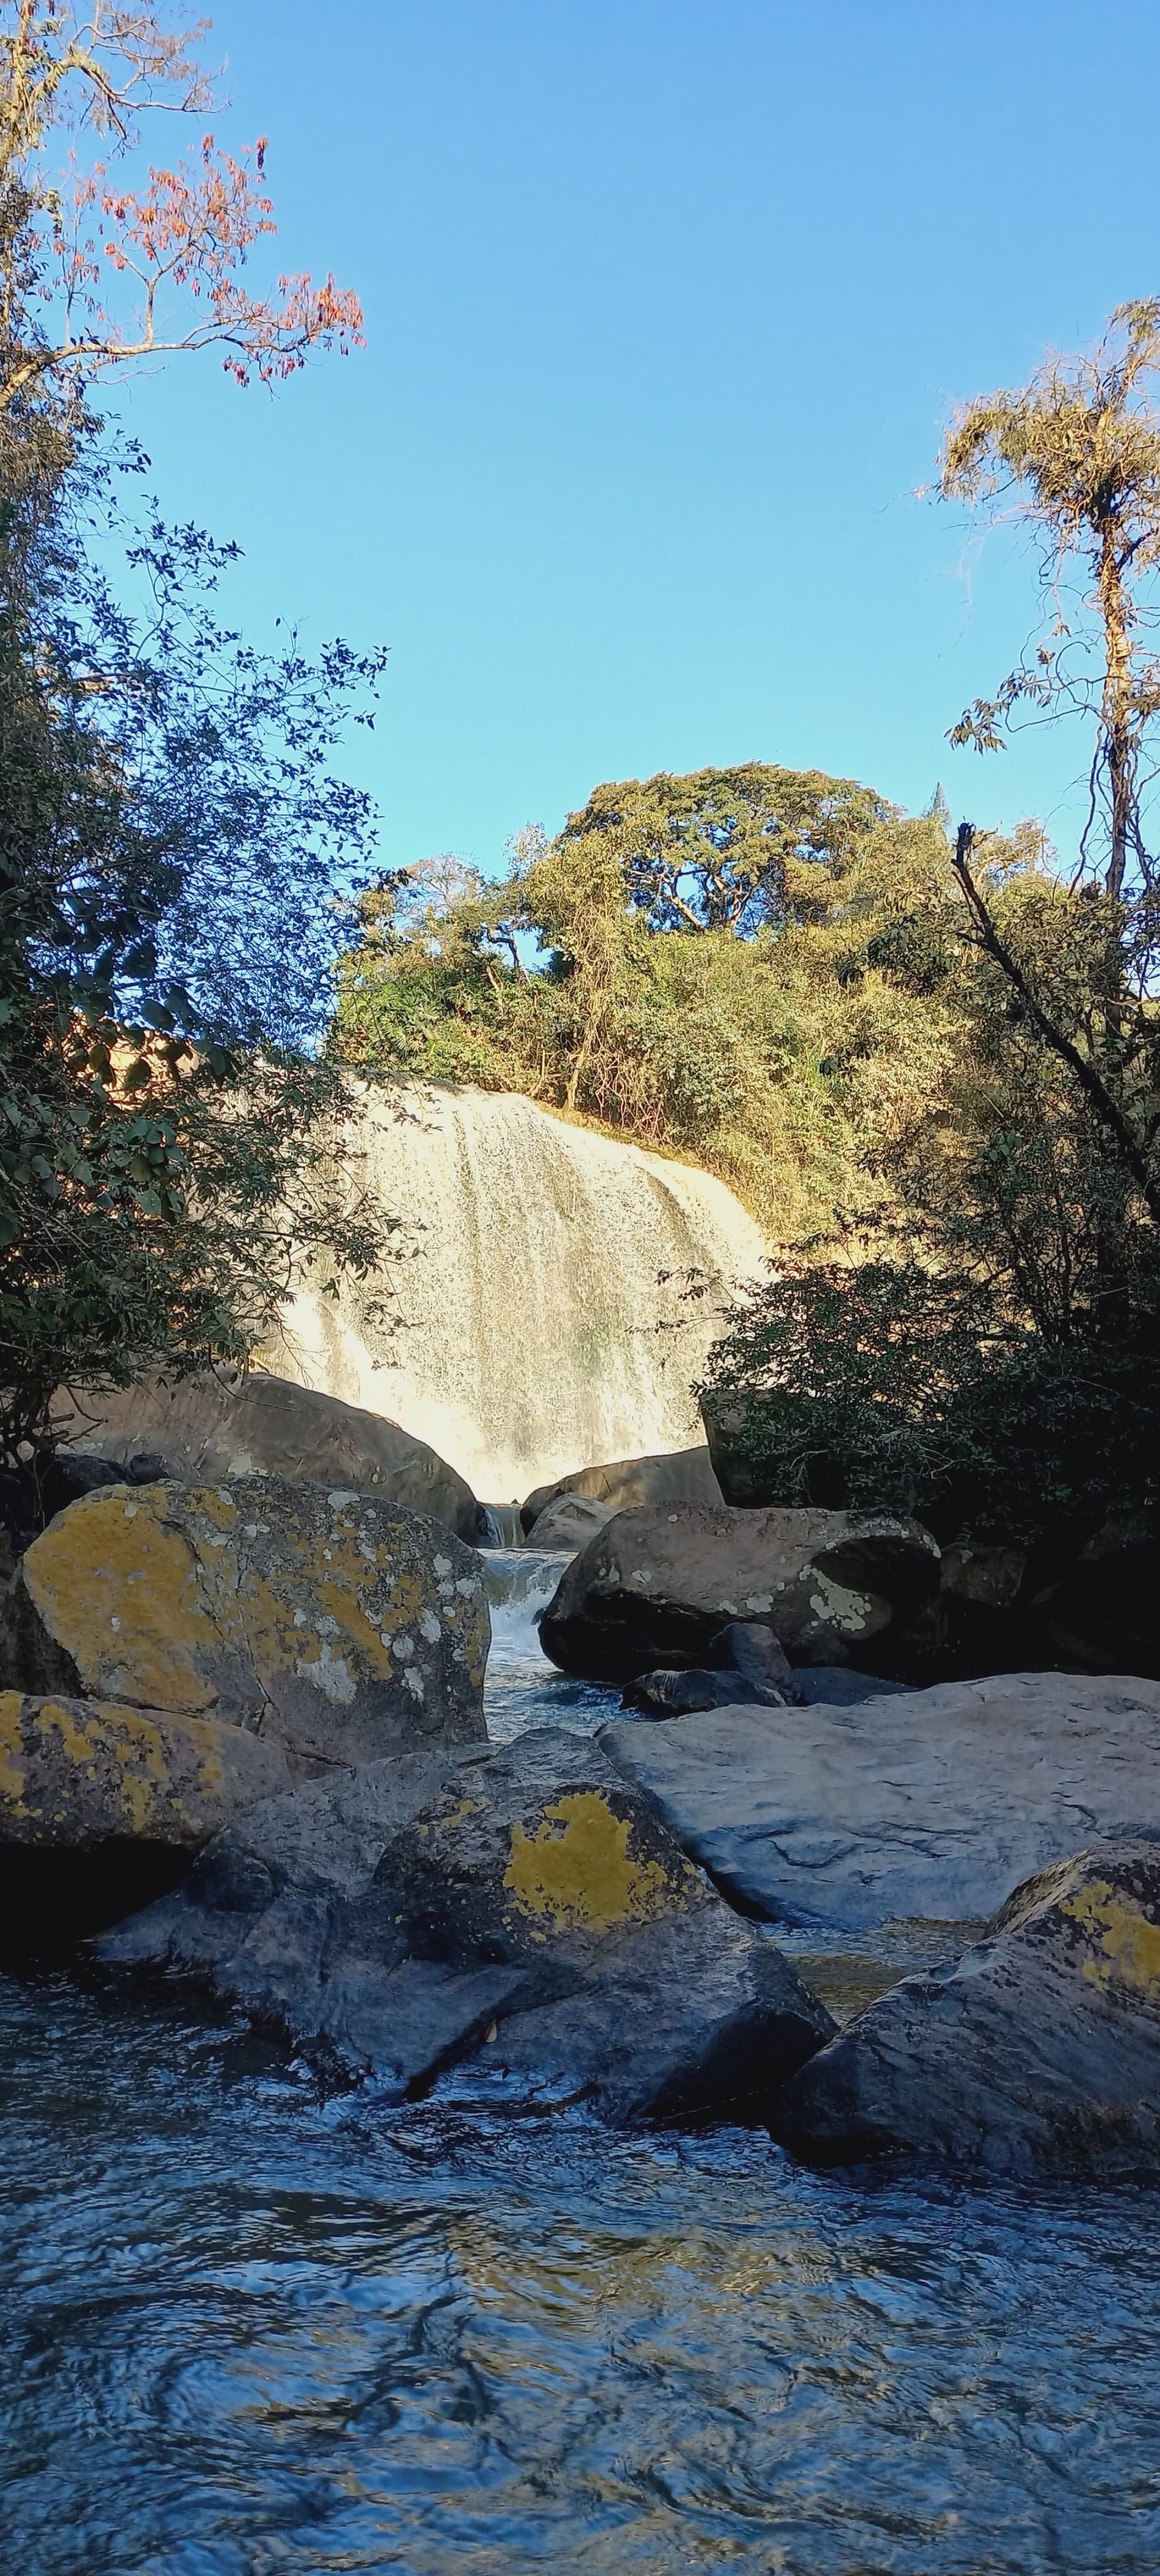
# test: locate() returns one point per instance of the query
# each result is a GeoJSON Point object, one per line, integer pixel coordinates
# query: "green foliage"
{"type": "Point", "coordinates": [875, 1384]}
{"type": "Point", "coordinates": [768, 1053]}
{"type": "Point", "coordinates": [169, 1150]}
{"type": "Point", "coordinates": [726, 849]}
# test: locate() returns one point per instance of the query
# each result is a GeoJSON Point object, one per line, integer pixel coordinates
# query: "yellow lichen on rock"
{"type": "Point", "coordinates": [1129, 1941]}
{"type": "Point", "coordinates": [325, 1618]}
{"type": "Point", "coordinates": [120, 1588]}
{"type": "Point", "coordinates": [577, 1872]}
{"type": "Point", "coordinates": [74, 1773]}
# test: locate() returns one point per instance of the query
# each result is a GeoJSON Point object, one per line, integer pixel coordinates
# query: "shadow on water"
{"type": "Point", "coordinates": [255, 2334]}
{"type": "Point", "coordinates": [249, 2332]}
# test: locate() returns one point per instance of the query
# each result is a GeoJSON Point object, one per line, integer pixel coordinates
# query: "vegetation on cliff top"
{"type": "Point", "coordinates": [931, 1064]}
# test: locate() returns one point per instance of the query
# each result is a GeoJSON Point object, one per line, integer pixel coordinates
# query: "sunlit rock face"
{"type": "Point", "coordinates": [340, 1626]}
{"type": "Point", "coordinates": [538, 1320]}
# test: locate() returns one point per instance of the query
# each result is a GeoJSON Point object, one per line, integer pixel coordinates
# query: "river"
{"type": "Point", "coordinates": [251, 2332]}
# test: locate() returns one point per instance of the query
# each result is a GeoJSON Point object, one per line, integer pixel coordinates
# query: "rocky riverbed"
{"type": "Point", "coordinates": [503, 2104]}
{"type": "Point", "coordinates": [250, 2328]}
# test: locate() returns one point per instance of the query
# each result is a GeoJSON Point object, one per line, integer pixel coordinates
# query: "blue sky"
{"type": "Point", "coordinates": [667, 303]}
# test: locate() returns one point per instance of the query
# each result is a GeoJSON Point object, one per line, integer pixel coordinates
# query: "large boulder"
{"type": "Point", "coordinates": [101, 1805]}
{"type": "Point", "coordinates": [683, 1476]}
{"type": "Point", "coordinates": [227, 1423]}
{"type": "Point", "coordinates": [343, 1627]}
{"type": "Point", "coordinates": [569, 1522]}
{"type": "Point", "coordinates": [74, 1773]}
{"type": "Point", "coordinates": [524, 1909]}
{"type": "Point", "coordinates": [656, 1585]}
{"type": "Point", "coordinates": [1039, 2051]}
{"type": "Point", "coordinates": [929, 1803]}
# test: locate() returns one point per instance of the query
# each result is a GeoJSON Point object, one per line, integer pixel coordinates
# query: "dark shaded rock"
{"type": "Point", "coordinates": [1103, 1611]}
{"type": "Point", "coordinates": [28, 1503]}
{"type": "Point", "coordinates": [1039, 2051]}
{"type": "Point", "coordinates": [655, 1587]}
{"type": "Point", "coordinates": [751, 1649]}
{"type": "Point", "coordinates": [342, 1627]}
{"type": "Point", "coordinates": [101, 1807]}
{"type": "Point", "coordinates": [838, 1686]}
{"type": "Point", "coordinates": [662, 1695]}
{"type": "Point", "coordinates": [917, 1803]}
{"type": "Point", "coordinates": [527, 1906]}
{"type": "Point", "coordinates": [756, 1670]}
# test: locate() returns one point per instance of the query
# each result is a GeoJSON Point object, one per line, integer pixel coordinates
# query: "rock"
{"type": "Point", "coordinates": [665, 1694]}
{"type": "Point", "coordinates": [1104, 1609]}
{"type": "Point", "coordinates": [918, 1803]}
{"type": "Point", "coordinates": [570, 1522]}
{"type": "Point", "coordinates": [226, 1424]}
{"type": "Point", "coordinates": [341, 1626]}
{"type": "Point", "coordinates": [656, 1585]}
{"type": "Point", "coordinates": [838, 1686]}
{"type": "Point", "coordinates": [27, 1505]}
{"type": "Point", "coordinates": [100, 1806]}
{"type": "Point", "coordinates": [756, 1673]}
{"type": "Point", "coordinates": [74, 1772]}
{"type": "Point", "coordinates": [752, 1650]}
{"type": "Point", "coordinates": [686, 1476]}
{"type": "Point", "coordinates": [524, 1910]}
{"type": "Point", "coordinates": [1039, 2052]}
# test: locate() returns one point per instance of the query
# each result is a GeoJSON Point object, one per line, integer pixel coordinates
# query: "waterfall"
{"type": "Point", "coordinates": [538, 1320]}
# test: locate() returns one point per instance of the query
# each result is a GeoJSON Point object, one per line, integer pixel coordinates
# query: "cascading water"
{"type": "Point", "coordinates": [539, 1319]}
{"type": "Point", "coordinates": [523, 1689]}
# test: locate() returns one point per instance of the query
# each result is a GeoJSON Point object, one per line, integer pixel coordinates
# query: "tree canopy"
{"type": "Point", "coordinates": [172, 835]}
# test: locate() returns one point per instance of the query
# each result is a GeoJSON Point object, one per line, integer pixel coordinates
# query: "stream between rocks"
{"type": "Point", "coordinates": [251, 2333]}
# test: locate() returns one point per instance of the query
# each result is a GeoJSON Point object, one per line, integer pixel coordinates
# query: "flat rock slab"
{"type": "Point", "coordinates": [1038, 2052]}
{"type": "Point", "coordinates": [931, 1803]}
{"type": "Point", "coordinates": [343, 1627]}
{"type": "Point", "coordinates": [525, 1908]}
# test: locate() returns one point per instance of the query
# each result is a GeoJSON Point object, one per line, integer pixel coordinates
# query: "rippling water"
{"type": "Point", "coordinates": [249, 2333]}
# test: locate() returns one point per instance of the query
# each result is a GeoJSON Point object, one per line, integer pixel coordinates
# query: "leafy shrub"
{"type": "Point", "coordinates": [880, 1386]}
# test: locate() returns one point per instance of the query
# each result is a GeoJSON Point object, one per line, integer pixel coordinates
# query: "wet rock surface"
{"type": "Point", "coordinates": [1039, 2051]}
{"type": "Point", "coordinates": [223, 1425]}
{"type": "Point", "coordinates": [341, 1627]}
{"type": "Point", "coordinates": [526, 1906]}
{"type": "Point", "coordinates": [656, 1585]}
{"type": "Point", "coordinates": [917, 1803]}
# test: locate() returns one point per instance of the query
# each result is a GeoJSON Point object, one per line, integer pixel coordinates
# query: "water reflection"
{"type": "Point", "coordinates": [251, 2334]}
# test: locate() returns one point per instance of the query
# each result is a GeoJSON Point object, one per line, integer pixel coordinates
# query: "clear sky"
{"type": "Point", "coordinates": [666, 305]}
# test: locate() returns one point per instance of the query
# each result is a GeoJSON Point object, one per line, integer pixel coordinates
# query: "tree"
{"type": "Point", "coordinates": [171, 840]}
{"type": "Point", "coordinates": [725, 849]}
{"type": "Point", "coordinates": [1075, 454]}
{"type": "Point", "coordinates": [95, 274]}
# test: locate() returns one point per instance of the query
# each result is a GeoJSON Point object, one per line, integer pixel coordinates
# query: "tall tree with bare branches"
{"type": "Point", "coordinates": [1075, 455]}
{"type": "Point", "coordinates": [103, 262]}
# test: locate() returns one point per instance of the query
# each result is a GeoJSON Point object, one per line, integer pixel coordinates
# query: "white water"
{"type": "Point", "coordinates": [539, 1321]}
{"type": "Point", "coordinates": [523, 1689]}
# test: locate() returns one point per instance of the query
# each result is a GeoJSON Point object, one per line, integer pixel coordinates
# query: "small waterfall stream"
{"type": "Point", "coordinates": [523, 1689]}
